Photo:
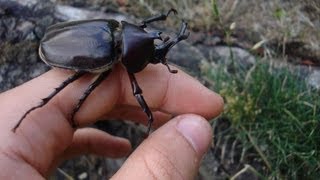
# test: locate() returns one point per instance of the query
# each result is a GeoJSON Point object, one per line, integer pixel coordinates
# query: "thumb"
{"type": "Point", "coordinates": [173, 151]}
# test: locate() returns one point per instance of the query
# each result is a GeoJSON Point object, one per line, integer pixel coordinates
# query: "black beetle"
{"type": "Point", "coordinates": [94, 46]}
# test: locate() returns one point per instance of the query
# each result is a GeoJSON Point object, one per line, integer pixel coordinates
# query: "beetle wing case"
{"type": "Point", "coordinates": [86, 45]}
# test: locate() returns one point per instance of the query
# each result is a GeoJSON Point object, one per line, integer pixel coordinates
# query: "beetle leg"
{"type": "Point", "coordinates": [159, 17]}
{"type": "Point", "coordinates": [137, 92]}
{"type": "Point", "coordinates": [88, 91]}
{"type": "Point", "coordinates": [72, 78]}
{"type": "Point", "coordinates": [173, 71]}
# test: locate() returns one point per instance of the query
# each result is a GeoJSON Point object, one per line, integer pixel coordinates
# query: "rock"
{"type": "Point", "coordinates": [68, 13]}
{"type": "Point", "coordinates": [226, 54]}
{"type": "Point", "coordinates": [23, 23]}
{"type": "Point", "coordinates": [314, 79]}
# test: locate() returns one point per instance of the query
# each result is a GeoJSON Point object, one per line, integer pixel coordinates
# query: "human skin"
{"type": "Point", "coordinates": [45, 137]}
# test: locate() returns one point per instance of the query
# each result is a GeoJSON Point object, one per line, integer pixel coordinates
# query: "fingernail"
{"type": "Point", "coordinates": [197, 131]}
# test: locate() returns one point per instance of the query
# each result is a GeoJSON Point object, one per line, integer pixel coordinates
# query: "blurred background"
{"type": "Point", "coordinates": [263, 57]}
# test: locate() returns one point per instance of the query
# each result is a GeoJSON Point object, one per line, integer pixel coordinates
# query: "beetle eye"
{"type": "Point", "coordinates": [156, 35]}
{"type": "Point", "coordinates": [167, 38]}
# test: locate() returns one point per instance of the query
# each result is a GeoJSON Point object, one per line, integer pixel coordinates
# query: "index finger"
{"type": "Point", "coordinates": [172, 93]}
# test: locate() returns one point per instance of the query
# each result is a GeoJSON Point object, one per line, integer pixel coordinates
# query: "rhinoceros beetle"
{"type": "Point", "coordinates": [95, 46]}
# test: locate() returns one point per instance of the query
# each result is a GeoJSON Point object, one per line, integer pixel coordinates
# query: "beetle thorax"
{"type": "Point", "coordinates": [138, 47]}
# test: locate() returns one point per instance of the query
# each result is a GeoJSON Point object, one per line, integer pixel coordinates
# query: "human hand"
{"type": "Point", "coordinates": [45, 138]}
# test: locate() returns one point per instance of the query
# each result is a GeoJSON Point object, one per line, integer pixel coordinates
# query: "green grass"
{"type": "Point", "coordinates": [273, 112]}
{"type": "Point", "coordinates": [276, 114]}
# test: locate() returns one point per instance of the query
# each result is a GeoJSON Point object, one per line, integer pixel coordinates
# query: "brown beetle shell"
{"type": "Point", "coordinates": [86, 45]}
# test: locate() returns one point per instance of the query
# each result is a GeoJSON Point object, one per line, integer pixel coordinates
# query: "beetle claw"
{"type": "Point", "coordinates": [175, 12]}
{"type": "Point", "coordinates": [173, 71]}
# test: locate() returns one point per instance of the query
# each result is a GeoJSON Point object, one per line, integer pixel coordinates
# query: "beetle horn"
{"type": "Point", "coordinates": [156, 35]}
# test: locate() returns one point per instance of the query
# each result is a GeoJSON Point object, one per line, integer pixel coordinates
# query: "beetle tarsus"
{"type": "Point", "coordinates": [173, 71]}
{"type": "Point", "coordinates": [88, 91]}
{"type": "Point", "coordinates": [72, 78]}
{"type": "Point", "coordinates": [159, 17]}
{"type": "Point", "coordinates": [137, 92]}
{"type": "Point", "coordinates": [172, 10]}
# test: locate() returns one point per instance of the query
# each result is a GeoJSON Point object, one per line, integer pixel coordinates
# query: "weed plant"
{"type": "Point", "coordinates": [274, 112]}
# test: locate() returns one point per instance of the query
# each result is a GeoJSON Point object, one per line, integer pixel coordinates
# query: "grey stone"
{"type": "Point", "coordinates": [314, 79]}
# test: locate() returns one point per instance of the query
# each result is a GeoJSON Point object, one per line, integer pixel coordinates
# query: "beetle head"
{"type": "Point", "coordinates": [162, 49]}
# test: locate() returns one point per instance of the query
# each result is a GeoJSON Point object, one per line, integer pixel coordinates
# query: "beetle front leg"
{"type": "Point", "coordinates": [164, 48]}
{"type": "Point", "coordinates": [159, 17]}
{"type": "Point", "coordinates": [137, 92]}
{"type": "Point", "coordinates": [92, 86]}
